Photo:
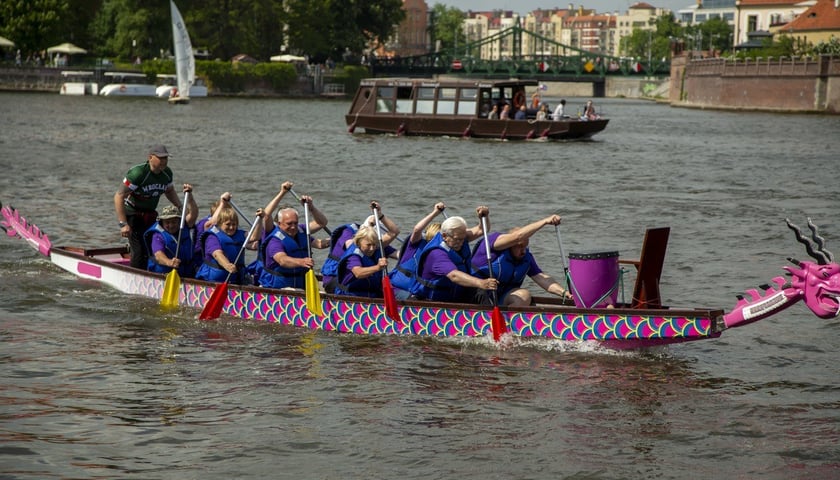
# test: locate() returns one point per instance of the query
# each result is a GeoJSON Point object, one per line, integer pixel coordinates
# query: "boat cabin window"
{"type": "Point", "coordinates": [446, 101]}
{"type": "Point", "coordinates": [467, 102]}
{"type": "Point", "coordinates": [487, 102]}
{"type": "Point", "coordinates": [404, 101]}
{"type": "Point", "coordinates": [426, 100]}
{"type": "Point", "coordinates": [385, 99]}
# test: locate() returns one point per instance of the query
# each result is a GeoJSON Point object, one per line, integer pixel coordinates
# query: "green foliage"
{"type": "Point", "coordinates": [831, 47]}
{"type": "Point", "coordinates": [350, 76]}
{"type": "Point", "coordinates": [124, 29]}
{"type": "Point", "coordinates": [447, 27]}
{"type": "Point", "coordinates": [35, 25]}
{"type": "Point", "coordinates": [340, 29]}
{"type": "Point", "coordinates": [237, 77]}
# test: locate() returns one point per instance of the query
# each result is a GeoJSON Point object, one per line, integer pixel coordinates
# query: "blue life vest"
{"type": "Point", "coordinates": [185, 250]}
{"type": "Point", "coordinates": [210, 269]}
{"type": "Point", "coordinates": [365, 287]}
{"type": "Point", "coordinates": [282, 277]}
{"type": "Point", "coordinates": [330, 266]}
{"type": "Point", "coordinates": [441, 288]}
{"type": "Point", "coordinates": [402, 276]}
{"type": "Point", "coordinates": [507, 270]}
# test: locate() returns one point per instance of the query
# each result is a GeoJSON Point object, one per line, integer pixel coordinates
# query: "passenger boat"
{"type": "Point", "coordinates": [460, 108]}
{"type": "Point", "coordinates": [78, 82]}
{"type": "Point", "coordinates": [127, 84]}
{"type": "Point", "coordinates": [643, 322]}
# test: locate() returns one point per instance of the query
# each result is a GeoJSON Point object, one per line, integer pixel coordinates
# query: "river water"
{"type": "Point", "coordinates": [99, 385]}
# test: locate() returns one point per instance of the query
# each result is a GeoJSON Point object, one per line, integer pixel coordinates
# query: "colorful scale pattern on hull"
{"type": "Point", "coordinates": [371, 319]}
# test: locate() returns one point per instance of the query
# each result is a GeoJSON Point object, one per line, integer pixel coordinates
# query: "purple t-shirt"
{"type": "Point", "coordinates": [158, 243]}
{"type": "Point", "coordinates": [437, 264]}
{"type": "Point", "coordinates": [410, 250]}
{"type": "Point", "coordinates": [479, 258]}
{"type": "Point", "coordinates": [341, 245]}
{"type": "Point", "coordinates": [211, 245]}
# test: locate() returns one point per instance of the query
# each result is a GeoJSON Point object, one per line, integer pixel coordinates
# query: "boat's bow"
{"type": "Point", "coordinates": [17, 226]}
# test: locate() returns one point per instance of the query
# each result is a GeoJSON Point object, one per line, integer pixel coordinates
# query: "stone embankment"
{"type": "Point", "coordinates": [779, 85]}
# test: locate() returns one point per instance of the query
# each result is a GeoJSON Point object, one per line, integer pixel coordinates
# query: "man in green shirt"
{"type": "Point", "coordinates": [137, 198]}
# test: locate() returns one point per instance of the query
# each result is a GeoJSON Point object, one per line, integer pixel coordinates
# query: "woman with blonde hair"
{"type": "Point", "coordinates": [360, 268]}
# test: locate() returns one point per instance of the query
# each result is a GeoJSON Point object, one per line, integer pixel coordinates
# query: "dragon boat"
{"type": "Point", "coordinates": [642, 322]}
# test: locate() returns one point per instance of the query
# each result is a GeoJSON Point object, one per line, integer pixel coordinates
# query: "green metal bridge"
{"type": "Point", "coordinates": [554, 62]}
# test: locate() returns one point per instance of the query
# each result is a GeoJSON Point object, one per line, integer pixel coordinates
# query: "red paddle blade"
{"type": "Point", "coordinates": [390, 299]}
{"type": "Point", "coordinates": [497, 324]}
{"type": "Point", "coordinates": [214, 306]}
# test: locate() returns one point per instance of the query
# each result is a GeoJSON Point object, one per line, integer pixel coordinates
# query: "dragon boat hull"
{"type": "Point", "coordinates": [618, 328]}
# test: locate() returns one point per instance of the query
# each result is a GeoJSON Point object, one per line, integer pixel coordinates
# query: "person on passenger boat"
{"type": "Point", "coordinates": [494, 113]}
{"type": "Point", "coordinates": [521, 114]}
{"type": "Point", "coordinates": [161, 240]}
{"type": "Point", "coordinates": [137, 199]}
{"type": "Point", "coordinates": [512, 261]}
{"type": "Point", "coordinates": [589, 111]}
{"type": "Point", "coordinates": [542, 113]}
{"type": "Point", "coordinates": [222, 243]}
{"type": "Point", "coordinates": [359, 270]}
{"type": "Point", "coordinates": [284, 251]}
{"type": "Point", "coordinates": [443, 267]}
{"type": "Point", "coordinates": [505, 115]}
{"type": "Point", "coordinates": [342, 238]}
{"type": "Point", "coordinates": [559, 112]}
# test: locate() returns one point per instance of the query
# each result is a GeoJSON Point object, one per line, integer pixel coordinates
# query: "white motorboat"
{"type": "Point", "coordinates": [127, 84]}
{"type": "Point", "coordinates": [77, 82]}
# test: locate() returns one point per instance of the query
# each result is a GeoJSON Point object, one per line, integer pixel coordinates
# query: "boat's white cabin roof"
{"type": "Point", "coordinates": [76, 73]}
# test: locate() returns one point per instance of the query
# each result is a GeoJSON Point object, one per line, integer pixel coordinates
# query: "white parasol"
{"type": "Point", "coordinates": [287, 58]}
{"type": "Point", "coordinates": [5, 42]}
{"type": "Point", "coordinates": [66, 48]}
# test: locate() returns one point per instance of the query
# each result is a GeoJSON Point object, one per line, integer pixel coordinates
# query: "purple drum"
{"type": "Point", "coordinates": [593, 278]}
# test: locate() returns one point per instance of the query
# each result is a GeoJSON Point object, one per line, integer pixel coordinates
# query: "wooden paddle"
{"type": "Point", "coordinates": [219, 296]}
{"type": "Point", "coordinates": [313, 295]}
{"type": "Point", "coordinates": [497, 321]}
{"type": "Point", "coordinates": [387, 290]}
{"type": "Point", "coordinates": [172, 285]}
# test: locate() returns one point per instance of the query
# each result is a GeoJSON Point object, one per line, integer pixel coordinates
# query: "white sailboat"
{"type": "Point", "coordinates": [184, 59]}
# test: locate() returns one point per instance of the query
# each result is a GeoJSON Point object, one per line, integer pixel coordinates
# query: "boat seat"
{"type": "Point", "coordinates": [649, 268]}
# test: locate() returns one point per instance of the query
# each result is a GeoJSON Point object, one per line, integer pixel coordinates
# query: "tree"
{"type": "Point", "coordinates": [322, 28]}
{"type": "Point", "coordinates": [447, 26]}
{"type": "Point", "coordinates": [34, 25]}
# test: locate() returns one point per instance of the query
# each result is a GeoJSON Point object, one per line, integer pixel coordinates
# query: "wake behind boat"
{"type": "Point", "coordinates": [643, 322]}
{"type": "Point", "coordinates": [459, 108]}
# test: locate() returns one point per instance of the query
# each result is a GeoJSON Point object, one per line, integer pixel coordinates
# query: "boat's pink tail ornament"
{"type": "Point", "coordinates": [817, 284]}
{"type": "Point", "coordinates": [15, 225]}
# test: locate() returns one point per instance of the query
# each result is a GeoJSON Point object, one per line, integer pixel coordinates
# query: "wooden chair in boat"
{"type": "Point", "coordinates": [649, 268]}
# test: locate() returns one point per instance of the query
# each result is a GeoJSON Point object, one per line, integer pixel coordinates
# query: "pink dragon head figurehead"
{"type": "Point", "coordinates": [818, 283]}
